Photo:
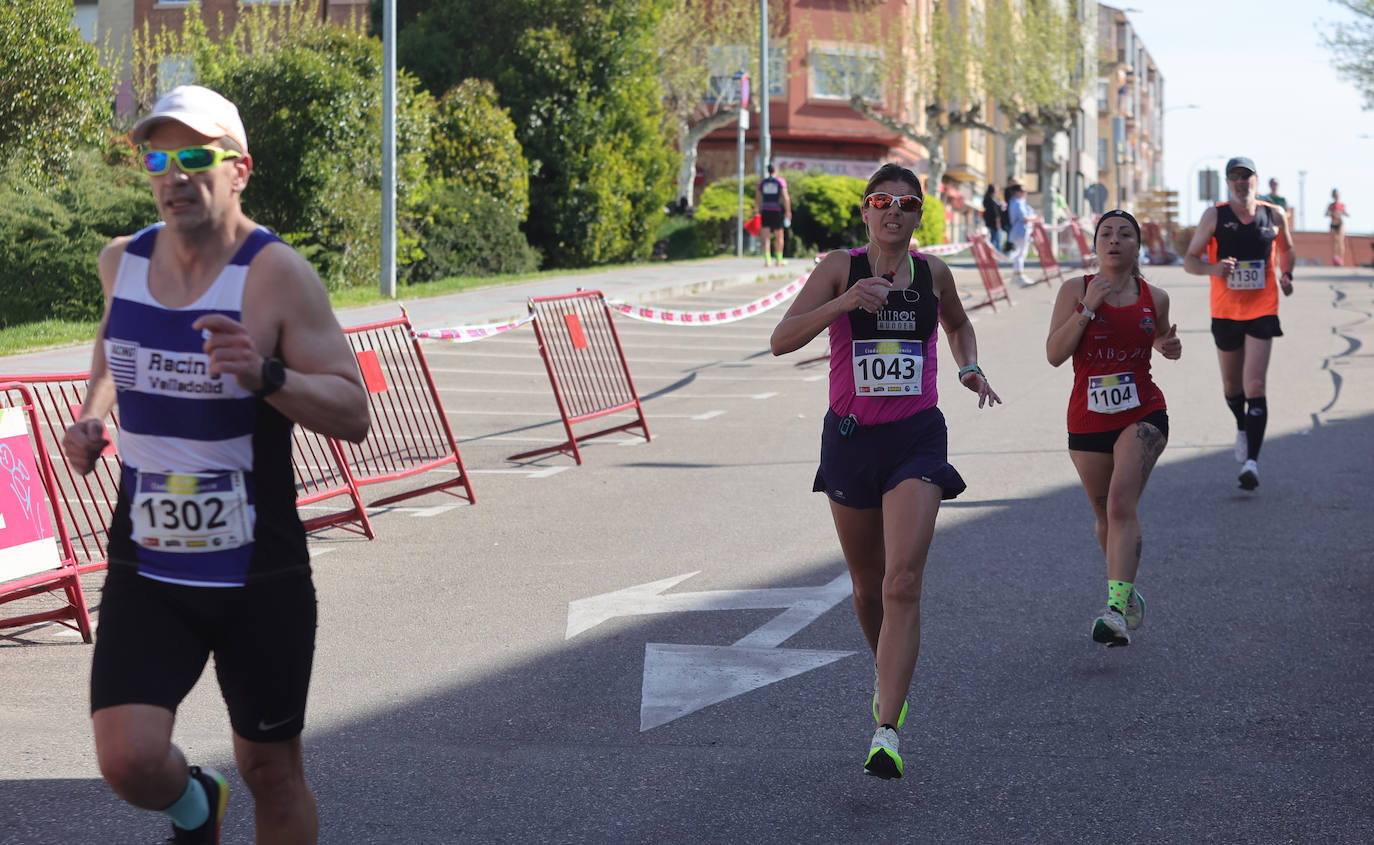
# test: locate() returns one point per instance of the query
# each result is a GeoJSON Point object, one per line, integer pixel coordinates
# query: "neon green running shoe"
{"type": "Point", "coordinates": [883, 760]}
{"type": "Point", "coordinates": [901, 719]}
{"type": "Point", "coordinates": [1135, 610]}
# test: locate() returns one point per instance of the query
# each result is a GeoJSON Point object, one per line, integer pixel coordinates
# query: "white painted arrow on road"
{"type": "Point", "coordinates": [681, 679]}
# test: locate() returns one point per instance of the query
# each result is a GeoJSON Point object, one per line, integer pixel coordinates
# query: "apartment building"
{"type": "Point", "coordinates": [811, 123]}
{"type": "Point", "coordinates": [1130, 115]}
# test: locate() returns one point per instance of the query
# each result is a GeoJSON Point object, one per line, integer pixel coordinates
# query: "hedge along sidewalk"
{"type": "Point", "coordinates": [451, 302]}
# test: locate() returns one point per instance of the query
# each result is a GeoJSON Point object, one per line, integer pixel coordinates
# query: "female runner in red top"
{"type": "Point", "coordinates": [1109, 324]}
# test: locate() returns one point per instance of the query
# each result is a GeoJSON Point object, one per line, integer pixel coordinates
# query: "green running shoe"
{"type": "Point", "coordinates": [883, 760]}
{"type": "Point", "coordinates": [901, 719]}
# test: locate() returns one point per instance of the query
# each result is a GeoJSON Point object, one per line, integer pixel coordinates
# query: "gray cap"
{"type": "Point", "coordinates": [1241, 162]}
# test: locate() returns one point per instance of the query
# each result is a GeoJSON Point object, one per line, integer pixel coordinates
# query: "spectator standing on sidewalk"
{"type": "Point", "coordinates": [1021, 217]}
{"type": "Point", "coordinates": [992, 216]}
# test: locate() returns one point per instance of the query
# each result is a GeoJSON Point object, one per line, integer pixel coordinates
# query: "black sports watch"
{"type": "Point", "coordinates": [1288, 273]}
{"type": "Point", "coordinates": [273, 377]}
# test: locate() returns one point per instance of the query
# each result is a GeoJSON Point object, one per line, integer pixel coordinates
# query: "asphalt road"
{"type": "Point", "coordinates": [474, 683]}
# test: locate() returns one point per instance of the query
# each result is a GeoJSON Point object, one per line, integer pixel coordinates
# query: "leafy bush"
{"type": "Point", "coordinates": [52, 231]}
{"type": "Point", "coordinates": [825, 210]}
{"type": "Point", "coordinates": [932, 228]}
{"type": "Point", "coordinates": [54, 95]}
{"type": "Point", "coordinates": [470, 233]}
{"type": "Point", "coordinates": [474, 143]}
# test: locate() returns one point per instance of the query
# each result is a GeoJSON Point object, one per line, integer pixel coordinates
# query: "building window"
{"type": "Point", "coordinates": [839, 72]}
{"type": "Point", "coordinates": [1102, 94]}
{"type": "Point", "coordinates": [1033, 162]}
{"type": "Point", "coordinates": [726, 61]}
{"type": "Point", "coordinates": [1102, 158]}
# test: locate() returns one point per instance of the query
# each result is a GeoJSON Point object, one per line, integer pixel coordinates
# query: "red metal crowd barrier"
{"type": "Point", "coordinates": [87, 501]}
{"type": "Point", "coordinates": [323, 473]}
{"type": "Point", "coordinates": [1049, 262]}
{"type": "Point", "coordinates": [1089, 257]}
{"type": "Point", "coordinates": [586, 366]}
{"type": "Point", "coordinates": [410, 433]}
{"type": "Point", "coordinates": [35, 549]}
{"type": "Point", "coordinates": [987, 269]}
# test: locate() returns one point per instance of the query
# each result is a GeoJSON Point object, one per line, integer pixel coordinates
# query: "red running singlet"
{"type": "Point", "coordinates": [1112, 386]}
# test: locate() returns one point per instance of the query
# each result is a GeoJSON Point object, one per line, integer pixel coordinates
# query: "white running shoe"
{"type": "Point", "coordinates": [883, 760]}
{"type": "Point", "coordinates": [1242, 446]}
{"type": "Point", "coordinates": [1249, 476]}
{"type": "Point", "coordinates": [1135, 610]}
{"type": "Point", "coordinates": [1109, 628]}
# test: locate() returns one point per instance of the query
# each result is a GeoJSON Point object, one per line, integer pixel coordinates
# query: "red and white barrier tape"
{"type": "Point", "coordinates": [711, 318]}
{"type": "Point", "coordinates": [467, 334]}
{"type": "Point", "coordinates": [944, 249]}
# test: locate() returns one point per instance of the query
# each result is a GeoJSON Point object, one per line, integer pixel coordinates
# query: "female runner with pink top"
{"type": "Point", "coordinates": [884, 459]}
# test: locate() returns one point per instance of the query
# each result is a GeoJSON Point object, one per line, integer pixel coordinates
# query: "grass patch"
{"type": "Point", "coordinates": [48, 334]}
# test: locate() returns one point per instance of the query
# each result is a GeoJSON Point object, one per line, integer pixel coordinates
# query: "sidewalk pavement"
{"type": "Point", "coordinates": [640, 283]}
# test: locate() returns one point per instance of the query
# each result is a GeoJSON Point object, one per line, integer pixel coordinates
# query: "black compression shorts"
{"type": "Point", "coordinates": [154, 638]}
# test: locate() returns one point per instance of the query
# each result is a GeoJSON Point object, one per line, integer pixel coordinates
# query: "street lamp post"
{"type": "Point", "coordinates": [765, 138]}
{"type": "Point", "coordinates": [1302, 198]}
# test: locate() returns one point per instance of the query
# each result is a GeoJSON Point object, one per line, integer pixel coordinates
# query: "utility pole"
{"type": "Point", "coordinates": [765, 140]}
{"type": "Point", "coordinates": [389, 149]}
{"type": "Point", "coordinates": [742, 79]}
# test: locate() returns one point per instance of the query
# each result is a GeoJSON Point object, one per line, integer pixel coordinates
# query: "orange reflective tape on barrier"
{"type": "Point", "coordinates": [36, 557]}
{"type": "Point", "coordinates": [586, 366]}
{"type": "Point", "coordinates": [579, 340]}
{"type": "Point", "coordinates": [372, 371]}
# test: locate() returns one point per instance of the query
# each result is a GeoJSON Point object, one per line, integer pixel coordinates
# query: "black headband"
{"type": "Point", "coordinates": [1116, 212]}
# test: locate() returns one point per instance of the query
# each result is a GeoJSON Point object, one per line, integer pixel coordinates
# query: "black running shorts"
{"type": "Point", "coordinates": [857, 470]}
{"type": "Point", "coordinates": [1105, 441]}
{"type": "Point", "coordinates": [771, 218]}
{"type": "Point", "coordinates": [1230, 334]}
{"type": "Point", "coordinates": [153, 640]}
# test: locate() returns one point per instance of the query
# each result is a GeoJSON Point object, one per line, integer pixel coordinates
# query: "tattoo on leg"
{"type": "Point", "coordinates": [1139, 546]}
{"type": "Point", "coordinates": [1152, 446]}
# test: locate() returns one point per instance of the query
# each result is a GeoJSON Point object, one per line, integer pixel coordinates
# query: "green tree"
{"type": "Point", "coordinates": [1043, 73]}
{"type": "Point", "coordinates": [474, 145]}
{"type": "Point", "coordinates": [924, 78]}
{"type": "Point", "coordinates": [704, 45]}
{"type": "Point", "coordinates": [581, 80]}
{"type": "Point", "coordinates": [311, 101]}
{"type": "Point", "coordinates": [54, 96]}
{"type": "Point", "coordinates": [1352, 45]}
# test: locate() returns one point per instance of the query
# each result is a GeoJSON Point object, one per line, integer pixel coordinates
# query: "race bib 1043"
{"type": "Point", "coordinates": [888, 367]}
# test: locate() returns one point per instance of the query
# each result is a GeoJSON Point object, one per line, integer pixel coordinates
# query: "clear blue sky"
{"type": "Point", "coordinates": [1264, 81]}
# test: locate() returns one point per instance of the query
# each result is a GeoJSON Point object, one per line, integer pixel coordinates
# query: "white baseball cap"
{"type": "Point", "coordinates": [197, 108]}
